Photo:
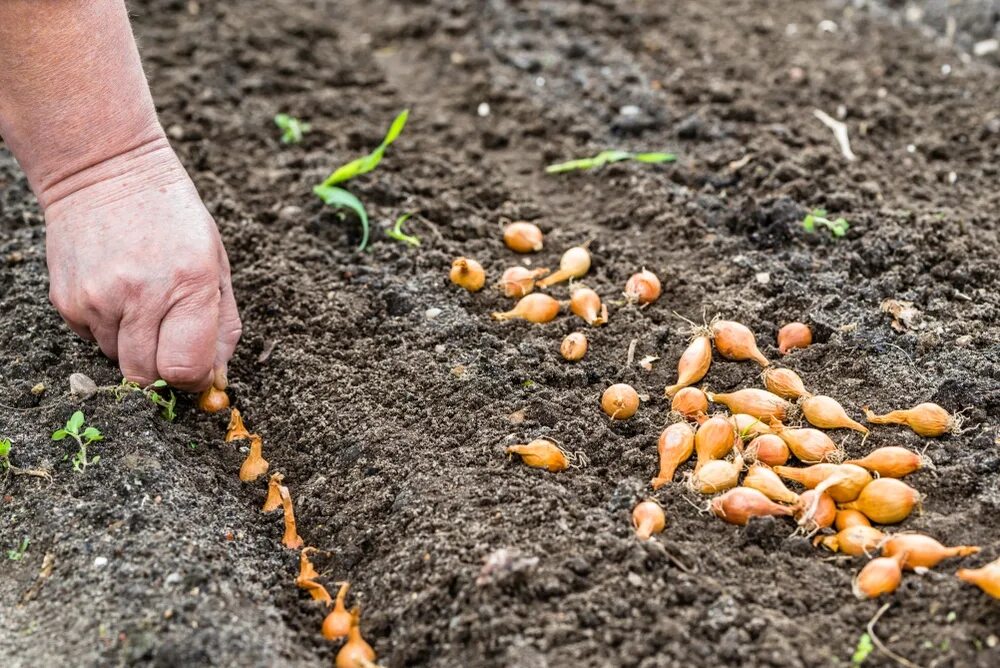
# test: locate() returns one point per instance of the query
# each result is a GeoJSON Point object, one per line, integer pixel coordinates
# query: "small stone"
{"type": "Point", "coordinates": [100, 562]}
{"type": "Point", "coordinates": [763, 277]}
{"type": "Point", "coordinates": [81, 386]}
{"type": "Point", "coordinates": [172, 579]}
{"type": "Point", "coordinates": [634, 579]}
{"type": "Point", "coordinates": [175, 132]}
{"type": "Point", "coordinates": [432, 313]}
{"type": "Point", "coordinates": [38, 389]}
{"type": "Point", "coordinates": [963, 341]}
{"type": "Point", "coordinates": [290, 212]}
{"type": "Point", "coordinates": [483, 110]}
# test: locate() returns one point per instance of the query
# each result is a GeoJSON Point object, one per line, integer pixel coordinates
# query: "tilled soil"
{"type": "Point", "coordinates": [390, 424]}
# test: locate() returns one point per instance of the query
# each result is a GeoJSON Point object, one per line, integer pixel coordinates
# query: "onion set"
{"type": "Point", "coordinates": [766, 481]}
{"type": "Point", "coordinates": [713, 440]}
{"type": "Point", "coordinates": [574, 263]}
{"type": "Point", "coordinates": [736, 342]}
{"type": "Point", "coordinates": [750, 427]}
{"type": "Point", "coordinates": [586, 303]}
{"type": "Point", "coordinates": [648, 518]}
{"type": "Point", "coordinates": [356, 653]}
{"type": "Point", "coordinates": [784, 382]}
{"type": "Point", "coordinates": [794, 335]}
{"type": "Point", "coordinates": [716, 475]}
{"type": "Point", "coordinates": [986, 578]}
{"type": "Point", "coordinates": [926, 419]}
{"type": "Point", "coordinates": [922, 551]}
{"type": "Point", "coordinates": [337, 623]}
{"type": "Point", "coordinates": [809, 446]}
{"type": "Point", "coordinates": [620, 401]}
{"type": "Point", "coordinates": [467, 273]}
{"type": "Point", "coordinates": [523, 237]}
{"type": "Point", "coordinates": [693, 364]}
{"type": "Point", "coordinates": [291, 539]}
{"type": "Point", "coordinates": [541, 454]}
{"type": "Point", "coordinates": [254, 466]}
{"type": "Point", "coordinates": [573, 347]}
{"type": "Point", "coordinates": [740, 504]}
{"type": "Point", "coordinates": [689, 402]}
{"type": "Point", "coordinates": [886, 501]}
{"type": "Point", "coordinates": [213, 400]}
{"type": "Point", "coordinates": [642, 288]}
{"type": "Point", "coordinates": [767, 449]}
{"type": "Point", "coordinates": [758, 403]}
{"type": "Point", "coordinates": [855, 541]}
{"type": "Point", "coordinates": [236, 430]}
{"type": "Point", "coordinates": [520, 281]}
{"type": "Point", "coordinates": [879, 576]}
{"type": "Point", "coordinates": [891, 461]}
{"type": "Point", "coordinates": [843, 482]}
{"type": "Point", "coordinates": [536, 307]}
{"type": "Point", "coordinates": [826, 413]}
{"type": "Point", "coordinates": [674, 447]}
{"type": "Point", "coordinates": [273, 500]}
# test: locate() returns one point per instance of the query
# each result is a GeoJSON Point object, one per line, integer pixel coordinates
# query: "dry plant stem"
{"type": "Point", "coordinates": [903, 661]}
{"type": "Point", "coordinates": [291, 539]}
{"type": "Point", "coordinates": [839, 132]}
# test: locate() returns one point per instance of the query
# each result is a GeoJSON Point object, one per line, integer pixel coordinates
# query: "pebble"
{"type": "Point", "coordinates": [82, 386]}
{"type": "Point", "coordinates": [432, 313]}
{"type": "Point", "coordinates": [100, 562]}
{"type": "Point", "coordinates": [172, 579]}
{"type": "Point", "coordinates": [763, 277]}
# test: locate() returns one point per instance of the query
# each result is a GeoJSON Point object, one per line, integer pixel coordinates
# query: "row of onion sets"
{"type": "Point", "coordinates": [339, 623]}
{"type": "Point", "coordinates": [743, 454]}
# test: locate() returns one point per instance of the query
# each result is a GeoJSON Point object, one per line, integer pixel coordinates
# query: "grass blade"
{"type": "Point", "coordinates": [339, 198]}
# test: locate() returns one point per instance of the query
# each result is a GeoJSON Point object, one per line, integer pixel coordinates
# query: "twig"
{"type": "Point", "coordinates": [901, 660]}
{"type": "Point", "coordinates": [839, 132]}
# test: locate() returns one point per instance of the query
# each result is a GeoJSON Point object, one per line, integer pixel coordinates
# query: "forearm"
{"type": "Point", "coordinates": [72, 92]}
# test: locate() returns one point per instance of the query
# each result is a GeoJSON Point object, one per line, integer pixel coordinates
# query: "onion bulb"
{"type": "Point", "coordinates": [879, 576]}
{"type": "Point", "coordinates": [573, 347]}
{"type": "Point", "coordinates": [851, 518]}
{"type": "Point", "coordinates": [844, 481]}
{"type": "Point", "coordinates": [926, 419]}
{"type": "Point", "coordinates": [717, 475]}
{"type": "Point", "coordinates": [768, 449]}
{"type": "Point", "coordinates": [541, 454]}
{"type": "Point", "coordinates": [986, 578]}
{"type": "Point", "coordinates": [675, 445]}
{"type": "Point", "coordinates": [337, 623]}
{"type": "Point", "coordinates": [758, 403]}
{"type": "Point", "coordinates": [689, 402]}
{"type": "Point", "coordinates": [273, 500]}
{"type": "Point", "coordinates": [890, 461]}
{"type": "Point", "coordinates": [784, 382]}
{"type": "Point", "coordinates": [236, 431]}
{"type": "Point", "coordinates": [693, 364]}
{"type": "Point", "coordinates": [766, 481]}
{"type": "Point", "coordinates": [794, 335]}
{"type": "Point", "coordinates": [713, 440]}
{"type": "Point", "coordinates": [519, 281]}
{"type": "Point", "coordinates": [523, 237]}
{"type": "Point", "coordinates": [738, 505]}
{"type": "Point", "coordinates": [922, 551]}
{"type": "Point", "coordinates": [815, 510]}
{"type": "Point", "coordinates": [648, 518]}
{"type": "Point", "coordinates": [748, 426]}
{"type": "Point", "coordinates": [213, 400]}
{"type": "Point", "coordinates": [535, 308]}
{"type": "Point", "coordinates": [642, 288]}
{"type": "Point", "coordinates": [736, 342]}
{"type": "Point", "coordinates": [886, 500]}
{"type": "Point", "coordinates": [855, 541]}
{"type": "Point", "coordinates": [356, 653]}
{"type": "Point", "coordinates": [254, 466]}
{"type": "Point", "coordinates": [620, 401]}
{"type": "Point", "coordinates": [826, 413]}
{"type": "Point", "coordinates": [808, 445]}
{"type": "Point", "coordinates": [586, 303]}
{"type": "Point", "coordinates": [467, 273]}
{"type": "Point", "coordinates": [291, 539]}
{"type": "Point", "coordinates": [574, 263]}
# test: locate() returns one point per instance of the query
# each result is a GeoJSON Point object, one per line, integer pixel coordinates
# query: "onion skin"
{"type": "Point", "coordinates": [236, 430]}
{"type": "Point", "coordinates": [922, 551]}
{"type": "Point", "coordinates": [826, 413]}
{"type": "Point", "coordinates": [467, 273]}
{"type": "Point", "coordinates": [213, 400]}
{"type": "Point", "coordinates": [574, 263]}
{"type": "Point", "coordinates": [291, 539]}
{"type": "Point", "coordinates": [879, 576]}
{"type": "Point", "coordinates": [648, 518]}
{"type": "Point", "coordinates": [766, 481]}
{"type": "Point", "coordinates": [856, 541]}
{"type": "Point", "coordinates": [748, 426]}
{"type": "Point", "coordinates": [541, 454]}
{"type": "Point", "coordinates": [254, 466]}
{"type": "Point", "coordinates": [523, 237]}
{"type": "Point", "coordinates": [891, 461]}
{"type": "Point", "coordinates": [740, 504]}
{"type": "Point", "coordinates": [573, 347]}
{"type": "Point", "coordinates": [736, 342]}
{"type": "Point", "coordinates": [926, 419]}
{"type": "Point", "coordinates": [620, 401]}
{"type": "Point", "coordinates": [689, 402]}
{"type": "Point", "coordinates": [784, 382]}
{"type": "Point", "coordinates": [337, 624]}
{"type": "Point", "coordinates": [768, 449]}
{"type": "Point", "coordinates": [674, 447]}
{"type": "Point", "coordinates": [794, 335]}
{"type": "Point", "coordinates": [586, 303]}
{"type": "Point", "coordinates": [356, 653]}
{"type": "Point", "coordinates": [519, 281]}
{"type": "Point", "coordinates": [718, 475]}
{"type": "Point", "coordinates": [843, 482]}
{"type": "Point", "coordinates": [713, 440]}
{"type": "Point", "coordinates": [815, 510]}
{"type": "Point", "coordinates": [693, 364]}
{"type": "Point", "coordinates": [643, 288]}
{"type": "Point", "coordinates": [273, 500]}
{"type": "Point", "coordinates": [851, 518]}
{"type": "Point", "coordinates": [536, 308]}
{"type": "Point", "coordinates": [810, 446]}
{"type": "Point", "coordinates": [758, 403]}
{"type": "Point", "coordinates": [886, 501]}
{"type": "Point", "coordinates": [986, 578]}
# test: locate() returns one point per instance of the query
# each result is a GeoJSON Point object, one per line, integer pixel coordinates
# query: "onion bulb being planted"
{"type": "Point", "coordinates": [986, 578]}
{"type": "Point", "coordinates": [573, 347]}
{"type": "Point", "coordinates": [690, 402]}
{"type": "Point", "coordinates": [674, 447]}
{"type": "Point", "coordinates": [620, 401]}
{"type": "Point", "coordinates": [273, 500]}
{"type": "Point", "coordinates": [826, 413]}
{"type": "Point", "coordinates": [519, 281]}
{"type": "Point", "coordinates": [642, 288]}
{"type": "Point", "coordinates": [808, 445]}
{"type": "Point", "coordinates": [748, 426]}
{"type": "Point", "coordinates": [648, 518]}
{"type": "Point", "coordinates": [213, 400]}
{"type": "Point", "coordinates": [794, 335]}
{"type": "Point", "coordinates": [467, 273]}
{"type": "Point", "coordinates": [254, 466]}
{"type": "Point", "coordinates": [854, 541]}
{"type": "Point", "coordinates": [535, 308]}
{"type": "Point", "coordinates": [574, 263]}
{"type": "Point", "coordinates": [541, 454]}
{"type": "Point", "coordinates": [766, 481]}
{"type": "Point", "coordinates": [523, 237]}
{"type": "Point", "coordinates": [586, 303]}
{"type": "Point", "coordinates": [736, 342]}
{"type": "Point", "coordinates": [844, 481]}
{"type": "Point", "coordinates": [307, 578]}
{"type": "Point", "coordinates": [784, 382]}
{"type": "Point", "coordinates": [768, 449]}
{"type": "Point", "coordinates": [337, 623]}
{"type": "Point", "coordinates": [693, 364]}
{"type": "Point", "coordinates": [758, 403]}
{"type": "Point", "coordinates": [291, 539]}
{"type": "Point", "coordinates": [851, 518]}
{"type": "Point", "coordinates": [886, 501]}
{"type": "Point", "coordinates": [890, 461]}
{"type": "Point", "coordinates": [236, 431]}
{"type": "Point", "coordinates": [926, 419]}
{"type": "Point", "coordinates": [356, 653]}
{"type": "Point", "coordinates": [879, 576]}
{"type": "Point", "coordinates": [717, 475]}
{"type": "Point", "coordinates": [738, 505]}
{"type": "Point", "coordinates": [713, 440]}
{"type": "Point", "coordinates": [922, 551]}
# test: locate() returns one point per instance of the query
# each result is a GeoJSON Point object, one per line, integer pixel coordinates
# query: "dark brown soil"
{"type": "Point", "coordinates": [390, 425]}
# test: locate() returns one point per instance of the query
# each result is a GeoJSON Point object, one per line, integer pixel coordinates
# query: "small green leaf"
{"type": "Point", "coordinates": [60, 435]}
{"type": "Point", "coordinates": [863, 649]}
{"type": "Point", "coordinates": [75, 422]}
{"type": "Point", "coordinates": [292, 128]}
{"type": "Point", "coordinates": [396, 128]}
{"type": "Point", "coordinates": [159, 383]}
{"type": "Point", "coordinates": [653, 158]}
{"type": "Point", "coordinates": [367, 163]}
{"type": "Point", "coordinates": [606, 157]}
{"type": "Point", "coordinates": [397, 231]}
{"type": "Point", "coordinates": [96, 459]}
{"type": "Point", "coordinates": [92, 434]}
{"type": "Point", "coordinates": [809, 223]}
{"type": "Point", "coordinates": [4, 448]}
{"type": "Point", "coordinates": [339, 198]}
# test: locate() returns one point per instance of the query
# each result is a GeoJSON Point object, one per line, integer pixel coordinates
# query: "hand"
{"type": "Point", "coordinates": [136, 263]}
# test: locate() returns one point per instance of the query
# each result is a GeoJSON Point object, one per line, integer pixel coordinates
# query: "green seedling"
{"type": "Point", "coordinates": [5, 454]}
{"type": "Point", "coordinates": [292, 128]}
{"type": "Point", "coordinates": [397, 231]}
{"type": "Point", "coordinates": [338, 198]}
{"type": "Point", "coordinates": [838, 227]}
{"type": "Point", "coordinates": [18, 552]}
{"type": "Point", "coordinates": [89, 435]}
{"type": "Point", "coordinates": [607, 157]}
{"type": "Point", "coordinates": [863, 649]}
{"type": "Point", "coordinates": [167, 405]}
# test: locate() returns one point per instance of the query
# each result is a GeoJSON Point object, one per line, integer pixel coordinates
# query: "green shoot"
{"type": "Point", "coordinates": [863, 649]}
{"type": "Point", "coordinates": [89, 435]}
{"type": "Point", "coordinates": [607, 157]}
{"type": "Point", "coordinates": [5, 454]}
{"type": "Point", "coordinates": [18, 553]}
{"type": "Point", "coordinates": [397, 231]}
{"type": "Point", "coordinates": [339, 198]}
{"type": "Point", "coordinates": [291, 128]}
{"type": "Point", "coordinates": [838, 227]}
{"type": "Point", "coordinates": [168, 406]}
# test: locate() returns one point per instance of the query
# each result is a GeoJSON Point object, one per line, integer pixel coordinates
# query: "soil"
{"type": "Point", "coordinates": [390, 424]}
